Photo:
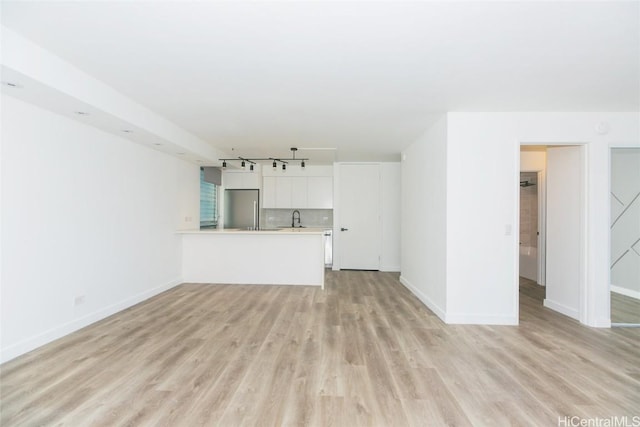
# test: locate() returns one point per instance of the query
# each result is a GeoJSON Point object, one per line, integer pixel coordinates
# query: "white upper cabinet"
{"type": "Point", "coordinates": [320, 192]}
{"type": "Point", "coordinates": [240, 180]}
{"type": "Point", "coordinates": [269, 192]}
{"type": "Point", "coordinates": [297, 192]}
{"type": "Point", "coordinates": [283, 192]}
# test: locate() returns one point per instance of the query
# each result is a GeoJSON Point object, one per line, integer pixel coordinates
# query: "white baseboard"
{"type": "Point", "coordinates": [626, 292]}
{"type": "Point", "coordinates": [481, 319]}
{"type": "Point", "coordinates": [563, 309]}
{"type": "Point", "coordinates": [60, 331]}
{"type": "Point", "coordinates": [459, 319]}
{"type": "Point", "coordinates": [424, 299]}
{"type": "Point", "coordinates": [601, 323]}
{"type": "Point", "coordinates": [390, 268]}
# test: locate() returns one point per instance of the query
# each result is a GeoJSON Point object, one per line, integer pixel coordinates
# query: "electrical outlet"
{"type": "Point", "coordinates": [79, 300]}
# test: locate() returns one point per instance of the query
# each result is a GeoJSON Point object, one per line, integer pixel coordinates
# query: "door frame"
{"type": "Point", "coordinates": [584, 291]}
{"type": "Point", "coordinates": [542, 227]}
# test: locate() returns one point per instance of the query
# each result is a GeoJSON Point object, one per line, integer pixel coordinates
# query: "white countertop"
{"type": "Point", "coordinates": [281, 231]}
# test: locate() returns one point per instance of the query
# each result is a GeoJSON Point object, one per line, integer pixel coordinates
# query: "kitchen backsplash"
{"type": "Point", "coordinates": [274, 218]}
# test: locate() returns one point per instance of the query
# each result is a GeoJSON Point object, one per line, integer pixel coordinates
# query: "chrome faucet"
{"type": "Point", "coordinates": [293, 218]}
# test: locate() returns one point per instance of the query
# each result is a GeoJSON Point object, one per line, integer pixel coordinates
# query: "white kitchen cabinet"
{"type": "Point", "coordinates": [320, 192]}
{"type": "Point", "coordinates": [240, 180]}
{"type": "Point", "coordinates": [283, 192]}
{"type": "Point", "coordinates": [297, 192]}
{"type": "Point", "coordinates": [269, 192]}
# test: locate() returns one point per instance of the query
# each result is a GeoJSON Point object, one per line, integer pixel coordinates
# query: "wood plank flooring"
{"type": "Point", "coordinates": [364, 352]}
{"type": "Point", "coordinates": [624, 309]}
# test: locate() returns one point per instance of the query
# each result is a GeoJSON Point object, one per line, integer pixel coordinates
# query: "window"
{"type": "Point", "coordinates": [208, 203]}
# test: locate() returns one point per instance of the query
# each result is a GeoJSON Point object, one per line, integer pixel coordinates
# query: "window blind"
{"type": "Point", "coordinates": [208, 202]}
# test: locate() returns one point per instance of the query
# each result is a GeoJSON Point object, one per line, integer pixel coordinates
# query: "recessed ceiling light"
{"type": "Point", "coordinates": [81, 113]}
{"type": "Point", "coordinates": [157, 144]}
{"type": "Point", "coordinates": [199, 161]}
{"type": "Point", "coordinates": [13, 85]}
{"type": "Point", "coordinates": [180, 154]}
{"type": "Point", "coordinates": [127, 131]}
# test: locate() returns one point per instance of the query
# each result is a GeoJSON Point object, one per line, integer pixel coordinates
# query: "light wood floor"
{"type": "Point", "coordinates": [624, 309]}
{"type": "Point", "coordinates": [363, 352]}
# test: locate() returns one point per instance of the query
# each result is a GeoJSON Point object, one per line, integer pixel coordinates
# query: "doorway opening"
{"type": "Point", "coordinates": [552, 246]}
{"type": "Point", "coordinates": [531, 239]}
{"type": "Point", "coordinates": [529, 230]}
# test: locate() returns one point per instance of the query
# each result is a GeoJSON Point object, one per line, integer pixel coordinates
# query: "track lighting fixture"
{"type": "Point", "coordinates": [274, 161]}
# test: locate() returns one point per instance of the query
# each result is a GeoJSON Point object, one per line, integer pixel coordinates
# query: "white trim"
{"type": "Point", "coordinates": [39, 340]}
{"type": "Point", "coordinates": [515, 242]}
{"type": "Point", "coordinates": [587, 292]}
{"type": "Point", "coordinates": [562, 309]}
{"type": "Point", "coordinates": [390, 268]}
{"type": "Point", "coordinates": [542, 226]}
{"type": "Point", "coordinates": [626, 292]}
{"type": "Point", "coordinates": [459, 318]}
{"type": "Point", "coordinates": [424, 299]}
{"type": "Point", "coordinates": [480, 319]}
{"type": "Point", "coordinates": [602, 323]}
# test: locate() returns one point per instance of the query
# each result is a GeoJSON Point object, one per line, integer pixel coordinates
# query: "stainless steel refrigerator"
{"type": "Point", "coordinates": [241, 209]}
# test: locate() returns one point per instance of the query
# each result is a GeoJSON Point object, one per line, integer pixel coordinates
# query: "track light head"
{"type": "Point", "coordinates": [284, 167]}
{"type": "Point", "coordinates": [251, 167]}
{"type": "Point", "coordinates": [243, 164]}
{"type": "Point", "coordinates": [302, 165]}
{"type": "Point", "coordinates": [224, 164]}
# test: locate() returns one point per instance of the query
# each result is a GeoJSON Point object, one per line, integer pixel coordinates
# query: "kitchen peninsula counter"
{"type": "Point", "coordinates": [260, 257]}
{"type": "Point", "coordinates": [296, 230]}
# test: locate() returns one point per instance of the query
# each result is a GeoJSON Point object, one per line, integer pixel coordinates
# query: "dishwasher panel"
{"type": "Point", "coordinates": [328, 248]}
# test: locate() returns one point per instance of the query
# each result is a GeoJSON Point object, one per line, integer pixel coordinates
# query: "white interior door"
{"type": "Point", "coordinates": [564, 230]}
{"type": "Point", "coordinates": [359, 217]}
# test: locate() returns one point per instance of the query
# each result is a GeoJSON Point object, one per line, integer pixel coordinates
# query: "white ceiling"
{"type": "Point", "coordinates": [366, 78]}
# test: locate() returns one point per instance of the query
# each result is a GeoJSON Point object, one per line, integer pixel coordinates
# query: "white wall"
{"type": "Point", "coordinates": [390, 213]}
{"type": "Point", "coordinates": [84, 213]}
{"type": "Point", "coordinates": [1, 216]}
{"type": "Point", "coordinates": [424, 217]}
{"type": "Point", "coordinates": [482, 185]}
{"type": "Point", "coordinates": [482, 195]}
{"type": "Point", "coordinates": [625, 220]}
